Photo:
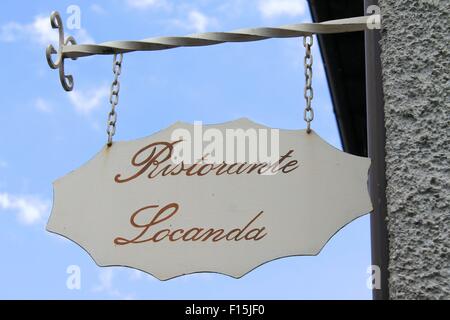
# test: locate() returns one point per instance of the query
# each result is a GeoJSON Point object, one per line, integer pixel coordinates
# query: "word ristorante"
{"type": "Point", "coordinates": [155, 160]}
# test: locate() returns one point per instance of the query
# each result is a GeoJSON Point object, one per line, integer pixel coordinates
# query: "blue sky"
{"type": "Point", "coordinates": [46, 132]}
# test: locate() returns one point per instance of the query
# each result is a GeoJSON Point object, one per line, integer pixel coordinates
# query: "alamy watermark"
{"type": "Point", "coordinates": [231, 145]}
{"type": "Point", "coordinates": [374, 18]}
{"type": "Point", "coordinates": [73, 21]}
{"type": "Point", "coordinates": [374, 279]}
{"type": "Point", "coordinates": [73, 281]}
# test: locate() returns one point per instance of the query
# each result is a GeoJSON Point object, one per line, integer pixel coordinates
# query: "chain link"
{"type": "Point", "coordinates": [308, 114]}
{"type": "Point", "coordinates": [114, 98]}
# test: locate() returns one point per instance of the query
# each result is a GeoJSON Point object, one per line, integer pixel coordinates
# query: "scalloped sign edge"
{"type": "Point", "coordinates": [292, 213]}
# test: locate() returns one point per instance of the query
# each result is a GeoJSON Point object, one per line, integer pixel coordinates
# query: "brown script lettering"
{"type": "Point", "coordinates": [154, 160]}
{"type": "Point", "coordinates": [148, 232]}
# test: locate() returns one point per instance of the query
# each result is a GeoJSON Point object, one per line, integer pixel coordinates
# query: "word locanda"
{"type": "Point", "coordinates": [152, 232]}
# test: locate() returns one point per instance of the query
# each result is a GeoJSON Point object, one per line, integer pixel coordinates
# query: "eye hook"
{"type": "Point", "coordinates": [56, 23]}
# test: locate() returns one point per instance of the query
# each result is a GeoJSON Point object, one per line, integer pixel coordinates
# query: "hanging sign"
{"type": "Point", "coordinates": [220, 198]}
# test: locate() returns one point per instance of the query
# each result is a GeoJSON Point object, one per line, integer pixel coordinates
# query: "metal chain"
{"type": "Point", "coordinates": [114, 98]}
{"type": "Point", "coordinates": [308, 114]}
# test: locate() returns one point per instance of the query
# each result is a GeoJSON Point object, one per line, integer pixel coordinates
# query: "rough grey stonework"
{"type": "Point", "coordinates": [415, 66]}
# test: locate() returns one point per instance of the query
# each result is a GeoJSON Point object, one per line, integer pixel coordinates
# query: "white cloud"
{"type": "Point", "coordinates": [106, 280]}
{"type": "Point", "coordinates": [147, 4]}
{"type": "Point", "coordinates": [29, 209]}
{"type": "Point", "coordinates": [3, 164]}
{"type": "Point", "coordinates": [87, 101]}
{"type": "Point", "coordinates": [12, 31]}
{"type": "Point", "coordinates": [98, 9]}
{"type": "Point", "coordinates": [38, 31]}
{"type": "Point", "coordinates": [135, 274]}
{"type": "Point", "coordinates": [42, 30]}
{"type": "Point", "coordinates": [83, 37]}
{"type": "Point", "coordinates": [42, 105]}
{"type": "Point", "coordinates": [196, 21]}
{"type": "Point", "coordinates": [276, 8]}
{"type": "Point", "coordinates": [232, 8]}
{"type": "Point", "coordinates": [106, 285]}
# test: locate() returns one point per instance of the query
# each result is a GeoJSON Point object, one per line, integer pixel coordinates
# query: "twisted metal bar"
{"type": "Point", "coordinates": [212, 38]}
{"type": "Point", "coordinates": [69, 48]}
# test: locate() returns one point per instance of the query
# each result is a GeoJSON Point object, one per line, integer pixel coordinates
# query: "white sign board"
{"type": "Point", "coordinates": [145, 205]}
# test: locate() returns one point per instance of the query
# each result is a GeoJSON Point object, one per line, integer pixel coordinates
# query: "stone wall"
{"type": "Point", "coordinates": [415, 67]}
